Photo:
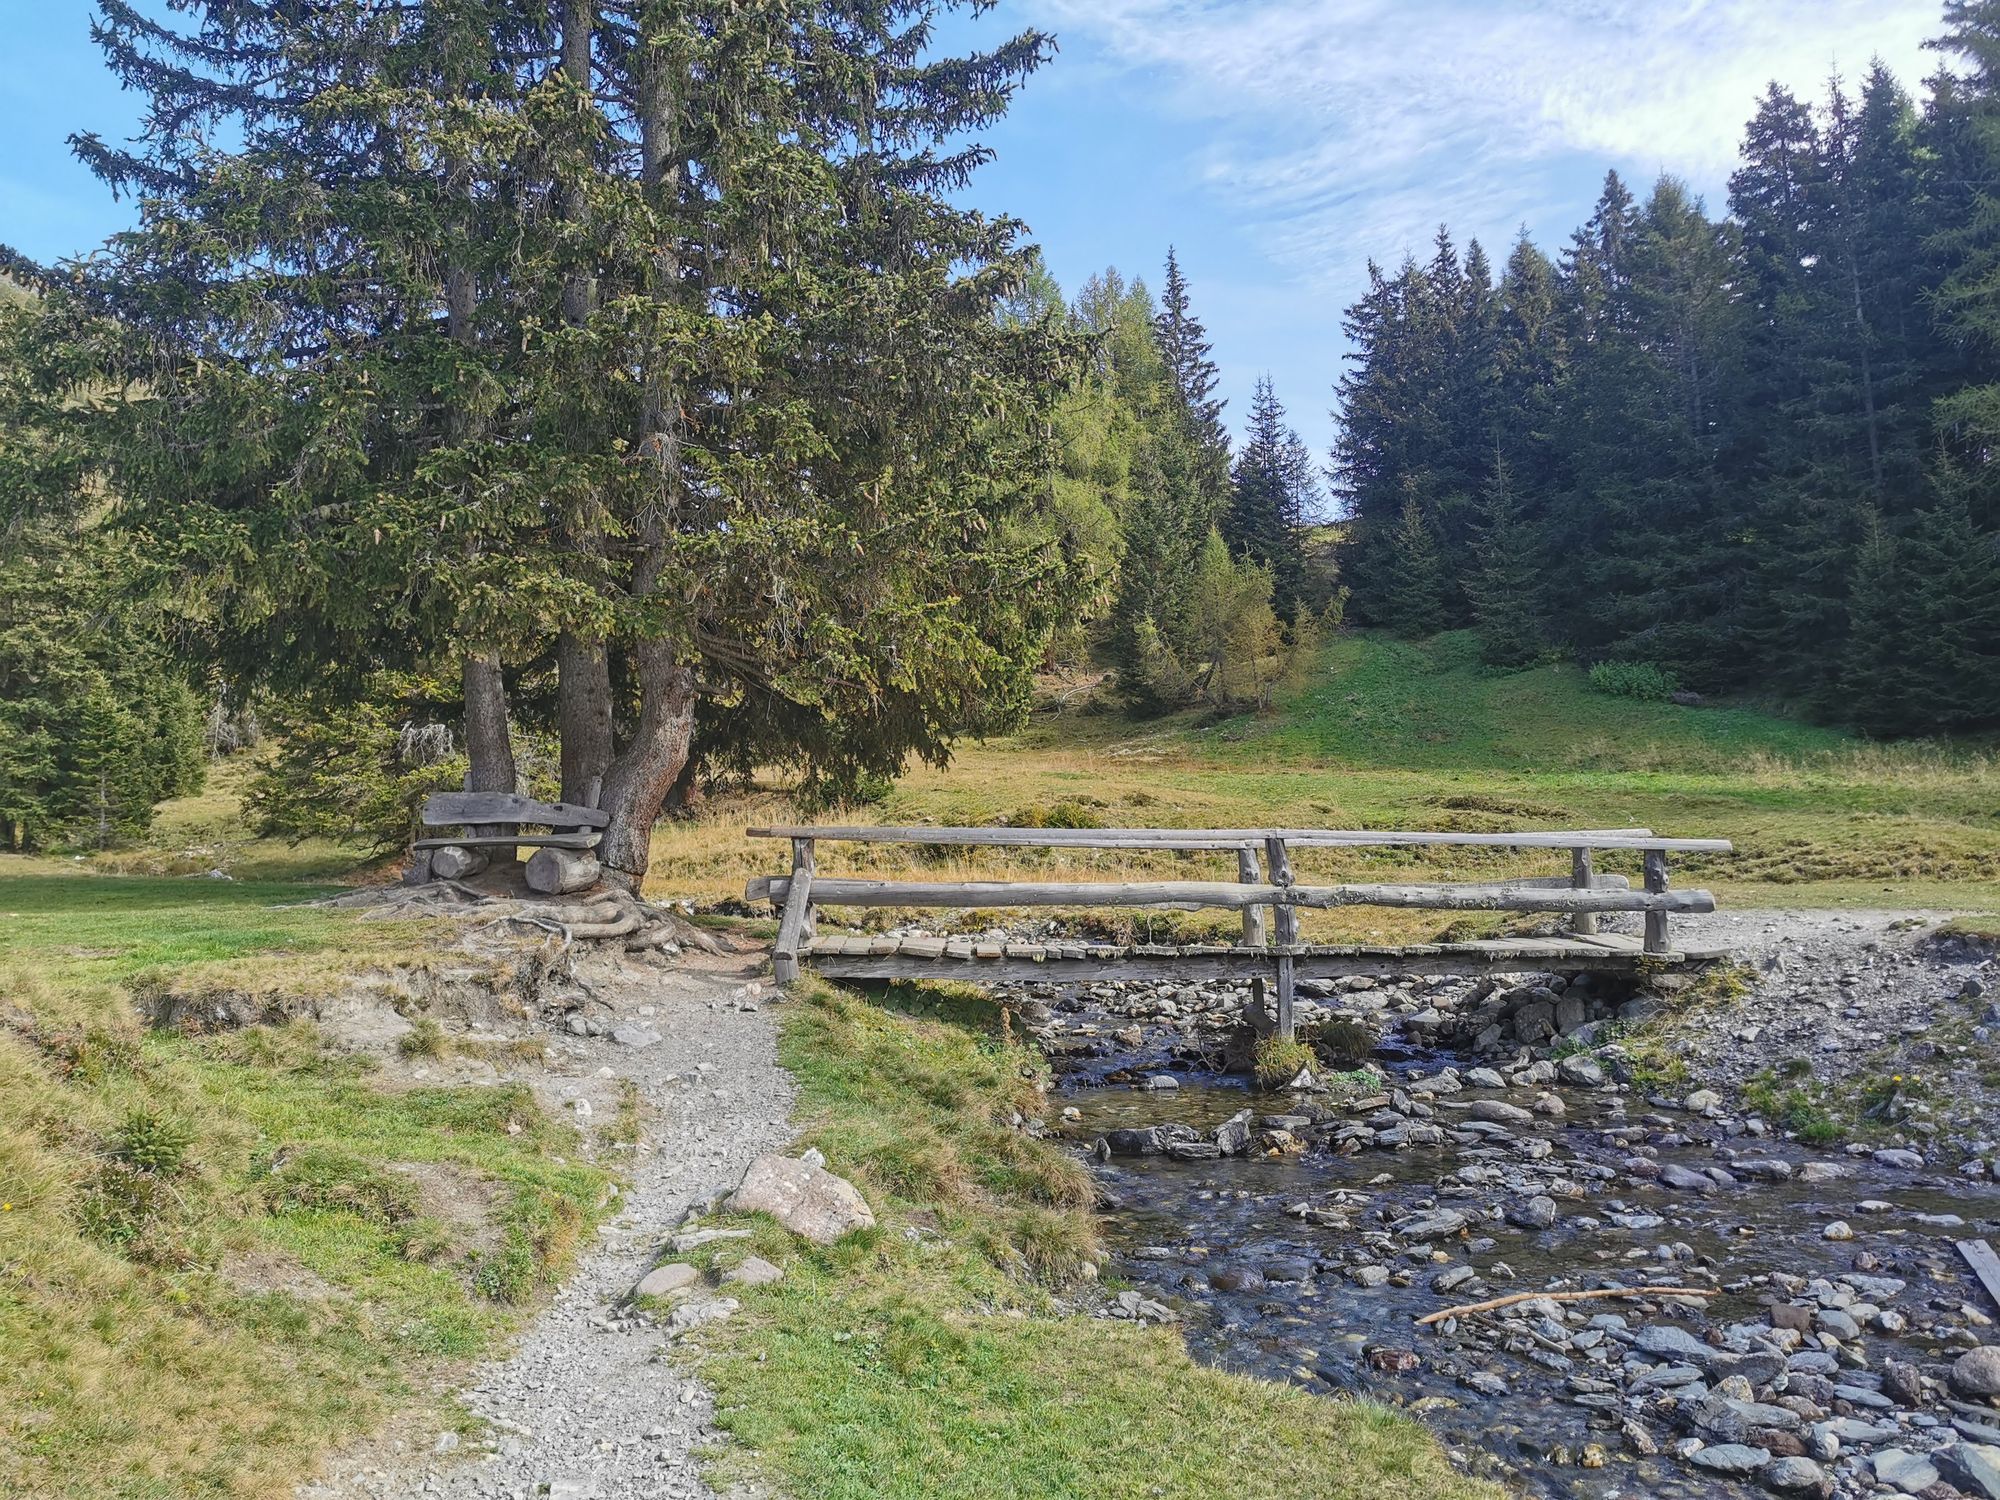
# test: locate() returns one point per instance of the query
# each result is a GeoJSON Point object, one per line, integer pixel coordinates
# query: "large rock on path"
{"type": "Point", "coordinates": [806, 1199]}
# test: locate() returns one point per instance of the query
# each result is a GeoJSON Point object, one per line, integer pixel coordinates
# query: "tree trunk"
{"type": "Point", "coordinates": [637, 786]}
{"type": "Point", "coordinates": [583, 669]}
{"type": "Point", "coordinates": [489, 750]}
{"type": "Point", "coordinates": [583, 714]}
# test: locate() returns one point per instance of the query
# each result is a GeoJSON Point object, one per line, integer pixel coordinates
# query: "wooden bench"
{"type": "Point", "coordinates": [1278, 957]}
{"type": "Point", "coordinates": [499, 820]}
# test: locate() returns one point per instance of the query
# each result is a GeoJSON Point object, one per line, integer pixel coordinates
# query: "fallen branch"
{"type": "Point", "coordinates": [1610, 1291]}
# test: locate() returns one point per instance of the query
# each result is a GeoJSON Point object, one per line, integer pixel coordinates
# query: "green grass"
{"type": "Point", "coordinates": [1400, 735]}
{"type": "Point", "coordinates": [221, 1255]}
{"type": "Point", "coordinates": [934, 1357]}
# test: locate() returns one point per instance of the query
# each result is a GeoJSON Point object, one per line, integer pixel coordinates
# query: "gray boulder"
{"type": "Point", "coordinates": [806, 1199]}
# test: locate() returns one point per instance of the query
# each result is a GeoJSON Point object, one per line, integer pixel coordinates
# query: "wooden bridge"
{"type": "Point", "coordinates": [1269, 954]}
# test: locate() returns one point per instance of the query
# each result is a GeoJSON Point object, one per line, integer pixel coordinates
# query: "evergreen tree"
{"type": "Point", "coordinates": [642, 337]}
{"type": "Point", "coordinates": [1506, 603]}
{"type": "Point", "coordinates": [1413, 602]}
{"type": "Point", "coordinates": [1272, 491]}
{"type": "Point", "coordinates": [1192, 376]}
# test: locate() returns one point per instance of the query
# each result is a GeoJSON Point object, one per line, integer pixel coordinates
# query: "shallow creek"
{"type": "Point", "coordinates": [1265, 1258]}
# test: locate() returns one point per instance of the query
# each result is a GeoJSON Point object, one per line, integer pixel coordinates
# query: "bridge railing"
{"type": "Point", "coordinates": [1583, 895]}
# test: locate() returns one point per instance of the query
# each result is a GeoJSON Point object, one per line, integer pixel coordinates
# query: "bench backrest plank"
{"type": "Point", "coordinates": [446, 808]}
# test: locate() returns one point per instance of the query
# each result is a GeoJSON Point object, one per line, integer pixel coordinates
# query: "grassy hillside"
{"type": "Point", "coordinates": [1389, 734]}
{"type": "Point", "coordinates": [220, 1254]}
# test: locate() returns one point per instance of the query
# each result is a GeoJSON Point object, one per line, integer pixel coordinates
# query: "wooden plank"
{"type": "Point", "coordinates": [1192, 895]}
{"type": "Point", "coordinates": [504, 807]}
{"type": "Point", "coordinates": [793, 924]}
{"type": "Point", "coordinates": [1985, 1265]}
{"type": "Point", "coordinates": [1656, 916]}
{"type": "Point", "coordinates": [921, 947]}
{"type": "Point", "coordinates": [1236, 838]}
{"type": "Point", "coordinates": [532, 840]}
{"type": "Point", "coordinates": [1583, 878]}
{"type": "Point", "coordinates": [1278, 866]}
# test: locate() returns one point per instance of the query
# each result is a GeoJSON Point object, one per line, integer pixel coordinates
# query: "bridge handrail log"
{"type": "Point", "coordinates": [1582, 895]}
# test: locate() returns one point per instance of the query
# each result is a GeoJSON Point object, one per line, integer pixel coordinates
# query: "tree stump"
{"type": "Point", "coordinates": [455, 863]}
{"type": "Point", "coordinates": [556, 872]}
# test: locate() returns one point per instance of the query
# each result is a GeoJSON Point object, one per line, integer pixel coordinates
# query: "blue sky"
{"type": "Point", "coordinates": [1277, 143]}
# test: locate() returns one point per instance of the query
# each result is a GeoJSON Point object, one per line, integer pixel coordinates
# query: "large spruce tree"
{"type": "Point", "coordinates": [635, 340]}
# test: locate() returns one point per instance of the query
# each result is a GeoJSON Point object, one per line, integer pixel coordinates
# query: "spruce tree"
{"type": "Point", "coordinates": [643, 336]}
{"type": "Point", "coordinates": [1413, 603]}
{"type": "Point", "coordinates": [1192, 377]}
{"type": "Point", "coordinates": [1506, 603]}
{"type": "Point", "coordinates": [1272, 491]}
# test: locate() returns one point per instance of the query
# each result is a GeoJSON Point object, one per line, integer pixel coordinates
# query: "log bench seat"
{"type": "Point", "coordinates": [502, 821]}
{"type": "Point", "coordinates": [1269, 955]}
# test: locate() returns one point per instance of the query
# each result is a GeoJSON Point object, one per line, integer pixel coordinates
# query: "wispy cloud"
{"type": "Point", "coordinates": [1349, 128]}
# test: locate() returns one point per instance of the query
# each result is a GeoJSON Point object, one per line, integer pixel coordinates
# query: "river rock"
{"type": "Point", "coordinates": [1484, 1078]}
{"type": "Point", "coordinates": [1232, 1136]}
{"type": "Point", "coordinates": [806, 1199]}
{"type": "Point", "coordinates": [1665, 1341]}
{"type": "Point", "coordinates": [1431, 1225]}
{"type": "Point", "coordinates": [1498, 1112]}
{"type": "Point", "coordinates": [1701, 1101]}
{"type": "Point", "coordinates": [1893, 1156]}
{"type": "Point", "coordinates": [1832, 1320]}
{"type": "Point", "coordinates": [1534, 1213]}
{"type": "Point", "coordinates": [1731, 1458]}
{"type": "Point", "coordinates": [1903, 1470]}
{"type": "Point", "coordinates": [1584, 1072]}
{"type": "Point", "coordinates": [1972, 1467]}
{"type": "Point", "coordinates": [1977, 1372]}
{"type": "Point", "coordinates": [1792, 1475]}
{"type": "Point", "coordinates": [1685, 1179]}
{"type": "Point", "coordinates": [1839, 1229]}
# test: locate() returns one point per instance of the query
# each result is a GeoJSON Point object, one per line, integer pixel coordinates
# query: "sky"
{"type": "Point", "coordinates": [1277, 144]}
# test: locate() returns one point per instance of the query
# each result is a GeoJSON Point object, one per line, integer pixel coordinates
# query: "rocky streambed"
{"type": "Point", "coordinates": [1818, 1331]}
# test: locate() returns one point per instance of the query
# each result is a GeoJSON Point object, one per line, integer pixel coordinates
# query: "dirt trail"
{"type": "Point", "coordinates": [583, 1409]}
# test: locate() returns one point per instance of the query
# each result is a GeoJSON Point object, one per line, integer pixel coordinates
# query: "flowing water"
{"type": "Point", "coordinates": [1272, 1293]}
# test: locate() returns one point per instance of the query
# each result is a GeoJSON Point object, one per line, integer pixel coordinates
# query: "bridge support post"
{"type": "Point", "coordinates": [1287, 924]}
{"type": "Point", "coordinates": [1656, 882]}
{"type": "Point", "coordinates": [1257, 1011]}
{"type": "Point", "coordinates": [795, 924]}
{"type": "Point", "coordinates": [1581, 874]}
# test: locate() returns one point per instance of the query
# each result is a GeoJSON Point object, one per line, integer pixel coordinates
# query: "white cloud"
{"type": "Point", "coordinates": [1343, 129]}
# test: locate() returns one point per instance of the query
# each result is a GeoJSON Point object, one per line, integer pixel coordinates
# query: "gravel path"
{"type": "Point", "coordinates": [583, 1409]}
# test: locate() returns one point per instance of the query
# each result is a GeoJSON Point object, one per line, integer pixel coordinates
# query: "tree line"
{"type": "Point", "coordinates": [1202, 588]}
{"type": "Point", "coordinates": [1753, 452]}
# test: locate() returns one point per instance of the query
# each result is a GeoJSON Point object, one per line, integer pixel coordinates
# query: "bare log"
{"type": "Point", "coordinates": [556, 872]}
{"type": "Point", "coordinates": [1193, 895]}
{"type": "Point", "coordinates": [1236, 838]}
{"type": "Point", "coordinates": [1600, 1292]}
{"type": "Point", "coordinates": [456, 862]}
